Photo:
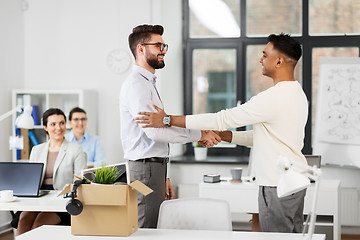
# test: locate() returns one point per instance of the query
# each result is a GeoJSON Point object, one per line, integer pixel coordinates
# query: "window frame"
{"type": "Point", "coordinates": [307, 41]}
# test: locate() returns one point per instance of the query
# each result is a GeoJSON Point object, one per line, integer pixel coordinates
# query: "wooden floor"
{"type": "Point", "coordinates": [7, 236]}
{"type": "Point", "coordinates": [350, 237]}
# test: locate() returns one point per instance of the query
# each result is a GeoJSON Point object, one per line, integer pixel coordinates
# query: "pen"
{"type": "Point", "coordinates": [83, 178]}
{"type": "Point", "coordinates": [77, 177]}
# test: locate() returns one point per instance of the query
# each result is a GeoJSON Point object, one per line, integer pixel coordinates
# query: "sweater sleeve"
{"type": "Point", "coordinates": [244, 138]}
{"type": "Point", "coordinates": [258, 109]}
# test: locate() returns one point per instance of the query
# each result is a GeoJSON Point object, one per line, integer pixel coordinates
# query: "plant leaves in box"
{"type": "Point", "coordinates": [106, 175]}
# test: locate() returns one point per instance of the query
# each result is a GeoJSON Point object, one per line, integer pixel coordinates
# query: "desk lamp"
{"type": "Point", "coordinates": [295, 177]}
{"type": "Point", "coordinates": [24, 120]}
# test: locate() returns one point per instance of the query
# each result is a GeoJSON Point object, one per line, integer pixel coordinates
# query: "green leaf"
{"type": "Point", "coordinates": [106, 175]}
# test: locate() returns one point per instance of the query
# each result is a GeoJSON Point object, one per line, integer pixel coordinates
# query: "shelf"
{"type": "Point", "coordinates": [22, 160]}
{"type": "Point", "coordinates": [323, 220]}
{"type": "Point", "coordinates": [64, 99]}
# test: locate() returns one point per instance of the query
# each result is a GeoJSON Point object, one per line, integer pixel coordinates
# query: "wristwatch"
{"type": "Point", "coordinates": [166, 121]}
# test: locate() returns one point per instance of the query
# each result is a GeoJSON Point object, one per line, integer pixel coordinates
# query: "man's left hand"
{"type": "Point", "coordinates": [169, 191]}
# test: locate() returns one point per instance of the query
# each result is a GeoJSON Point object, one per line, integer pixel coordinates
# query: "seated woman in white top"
{"type": "Point", "coordinates": [62, 160]}
{"type": "Point", "coordinates": [90, 143]}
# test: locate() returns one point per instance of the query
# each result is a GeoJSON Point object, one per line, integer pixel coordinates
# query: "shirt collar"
{"type": "Point", "coordinates": [147, 74]}
{"type": "Point", "coordinates": [83, 137]}
{"type": "Point", "coordinates": [86, 135]}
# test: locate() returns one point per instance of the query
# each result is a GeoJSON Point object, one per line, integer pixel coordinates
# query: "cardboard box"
{"type": "Point", "coordinates": [109, 210]}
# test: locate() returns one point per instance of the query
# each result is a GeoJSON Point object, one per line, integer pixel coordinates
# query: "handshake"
{"type": "Point", "coordinates": [209, 138]}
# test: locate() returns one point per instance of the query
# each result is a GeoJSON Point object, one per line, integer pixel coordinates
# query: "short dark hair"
{"type": "Point", "coordinates": [50, 112]}
{"type": "Point", "coordinates": [286, 45]}
{"type": "Point", "coordinates": [141, 34]}
{"type": "Point", "coordinates": [75, 110]}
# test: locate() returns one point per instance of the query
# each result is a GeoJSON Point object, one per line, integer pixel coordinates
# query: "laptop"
{"type": "Point", "coordinates": [23, 178]}
{"type": "Point", "coordinates": [313, 160]}
{"type": "Point", "coordinates": [122, 168]}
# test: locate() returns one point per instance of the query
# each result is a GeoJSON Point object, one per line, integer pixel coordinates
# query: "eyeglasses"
{"type": "Point", "coordinates": [162, 46]}
{"type": "Point", "coordinates": [79, 119]}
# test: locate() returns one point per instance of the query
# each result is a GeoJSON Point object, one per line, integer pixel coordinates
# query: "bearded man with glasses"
{"type": "Point", "coordinates": [147, 149]}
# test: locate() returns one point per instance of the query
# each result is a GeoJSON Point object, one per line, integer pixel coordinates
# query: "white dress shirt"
{"type": "Point", "coordinates": [138, 94]}
{"type": "Point", "coordinates": [278, 116]}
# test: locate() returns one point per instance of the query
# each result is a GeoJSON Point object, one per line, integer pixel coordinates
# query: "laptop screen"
{"type": "Point", "coordinates": [313, 160]}
{"type": "Point", "coordinates": [23, 178]}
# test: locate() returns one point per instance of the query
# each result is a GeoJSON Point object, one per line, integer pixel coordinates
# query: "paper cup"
{"type": "Point", "coordinates": [236, 174]}
{"type": "Point", "coordinates": [6, 195]}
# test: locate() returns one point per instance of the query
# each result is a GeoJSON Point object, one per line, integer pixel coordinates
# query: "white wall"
{"type": "Point", "coordinates": [11, 71]}
{"type": "Point", "coordinates": [67, 43]}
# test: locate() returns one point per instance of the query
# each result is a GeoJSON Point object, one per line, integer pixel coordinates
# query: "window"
{"type": "Point", "coordinates": [266, 17]}
{"type": "Point", "coordinates": [334, 17]}
{"type": "Point", "coordinates": [224, 40]}
{"type": "Point", "coordinates": [214, 18]}
{"type": "Point", "coordinates": [214, 80]}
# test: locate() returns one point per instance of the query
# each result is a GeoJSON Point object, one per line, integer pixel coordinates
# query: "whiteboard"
{"type": "Point", "coordinates": [337, 128]}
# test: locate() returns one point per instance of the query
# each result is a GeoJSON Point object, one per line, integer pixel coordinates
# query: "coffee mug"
{"type": "Point", "coordinates": [6, 195]}
{"type": "Point", "coordinates": [236, 173]}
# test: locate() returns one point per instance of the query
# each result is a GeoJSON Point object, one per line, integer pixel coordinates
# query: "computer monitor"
{"type": "Point", "coordinates": [313, 160]}
{"type": "Point", "coordinates": [123, 168]}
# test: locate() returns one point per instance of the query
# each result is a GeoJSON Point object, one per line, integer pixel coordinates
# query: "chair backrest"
{"type": "Point", "coordinates": [195, 213]}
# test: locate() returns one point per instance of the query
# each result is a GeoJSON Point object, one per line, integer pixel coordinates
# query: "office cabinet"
{"type": "Point", "coordinates": [41, 100]}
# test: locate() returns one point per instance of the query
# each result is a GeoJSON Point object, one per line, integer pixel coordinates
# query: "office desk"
{"type": "Point", "coordinates": [64, 232]}
{"type": "Point", "coordinates": [243, 198]}
{"type": "Point", "coordinates": [46, 203]}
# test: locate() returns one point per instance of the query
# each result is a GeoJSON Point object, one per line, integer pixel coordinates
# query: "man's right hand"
{"type": "Point", "coordinates": [225, 135]}
{"type": "Point", "coordinates": [209, 138]}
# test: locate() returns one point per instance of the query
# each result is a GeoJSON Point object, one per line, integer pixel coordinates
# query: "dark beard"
{"type": "Point", "coordinates": [154, 63]}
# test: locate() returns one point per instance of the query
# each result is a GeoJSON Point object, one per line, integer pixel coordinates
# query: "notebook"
{"type": "Point", "coordinates": [23, 178]}
{"type": "Point", "coordinates": [122, 168]}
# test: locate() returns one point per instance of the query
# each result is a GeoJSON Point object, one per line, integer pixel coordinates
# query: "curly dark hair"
{"type": "Point", "coordinates": [286, 45]}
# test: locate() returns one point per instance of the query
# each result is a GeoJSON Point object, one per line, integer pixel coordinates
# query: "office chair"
{"type": "Point", "coordinates": [195, 213]}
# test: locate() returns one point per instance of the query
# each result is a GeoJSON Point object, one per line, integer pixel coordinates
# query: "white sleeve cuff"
{"type": "Point", "coordinates": [244, 138]}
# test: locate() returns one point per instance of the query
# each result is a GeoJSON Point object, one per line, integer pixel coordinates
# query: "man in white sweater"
{"type": "Point", "coordinates": [278, 116]}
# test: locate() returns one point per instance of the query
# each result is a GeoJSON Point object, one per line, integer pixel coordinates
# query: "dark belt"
{"type": "Point", "coordinates": [154, 159]}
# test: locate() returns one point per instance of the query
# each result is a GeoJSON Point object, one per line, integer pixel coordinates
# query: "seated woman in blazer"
{"type": "Point", "coordinates": [62, 160]}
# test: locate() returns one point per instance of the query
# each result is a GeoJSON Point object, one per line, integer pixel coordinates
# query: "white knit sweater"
{"type": "Point", "coordinates": [278, 116]}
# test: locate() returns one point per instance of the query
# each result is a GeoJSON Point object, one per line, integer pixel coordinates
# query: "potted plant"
{"type": "Point", "coordinates": [200, 152]}
{"type": "Point", "coordinates": [106, 175]}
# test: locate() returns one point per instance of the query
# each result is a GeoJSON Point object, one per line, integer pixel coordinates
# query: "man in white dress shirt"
{"type": "Point", "coordinates": [147, 149]}
{"type": "Point", "coordinates": [278, 116]}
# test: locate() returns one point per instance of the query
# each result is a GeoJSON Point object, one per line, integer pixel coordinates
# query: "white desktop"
{"type": "Point", "coordinates": [51, 202]}
{"type": "Point", "coordinates": [64, 232]}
